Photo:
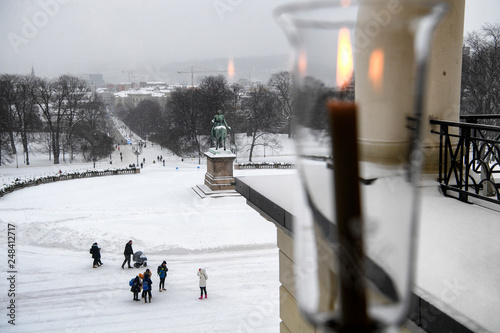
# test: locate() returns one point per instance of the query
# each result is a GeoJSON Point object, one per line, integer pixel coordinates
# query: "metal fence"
{"type": "Point", "coordinates": [18, 184]}
{"type": "Point", "coordinates": [469, 157]}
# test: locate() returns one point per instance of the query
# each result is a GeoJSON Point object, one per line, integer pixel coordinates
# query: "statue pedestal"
{"type": "Point", "coordinates": [219, 176]}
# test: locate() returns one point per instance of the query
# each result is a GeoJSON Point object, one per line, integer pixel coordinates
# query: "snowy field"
{"type": "Point", "coordinates": [57, 290]}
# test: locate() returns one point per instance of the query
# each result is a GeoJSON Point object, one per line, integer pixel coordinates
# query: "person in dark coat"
{"type": "Point", "coordinates": [147, 275]}
{"type": "Point", "coordinates": [136, 287]}
{"type": "Point", "coordinates": [96, 255]}
{"type": "Point", "coordinates": [147, 285]}
{"type": "Point", "coordinates": [162, 273]}
{"type": "Point", "coordinates": [127, 253]}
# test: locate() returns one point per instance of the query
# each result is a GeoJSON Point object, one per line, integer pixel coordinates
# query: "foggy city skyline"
{"type": "Point", "coordinates": [152, 40]}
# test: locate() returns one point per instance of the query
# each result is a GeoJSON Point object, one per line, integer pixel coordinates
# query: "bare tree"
{"type": "Point", "coordinates": [63, 103]}
{"type": "Point", "coordinates": [77, 95]}
{"type": "Point", "coordinates": [282, 86]}
{"type": "Point", "coordinates": [145, 118]}
{"type": "Point", "coordinates": [480, 92]}
{"type": "Point", "coordinates": [5, 146]}
{"type": "Point", "coordinates": [214, 95]}
{"type": "Point", "coordinates": [189, 113]}
{"type": "Point", "coordinates": [182, 118]}
{"type": "Point", "coordinates": [50, 101]}
{"type": "Point", "coordinates": [59, 101]}
{"type": "Point", "coordinates": [261, 117]}
{"type": "Point", "coordinates": [91, 132]}
{"type": "Point", "coordinates": [7, 109]}
{"type": "Point", "coordinates": [235, 117]}
{"type": "Point", "coordinates": [237, 91]}
{"type": "Point", "coordinates": [27, 117]}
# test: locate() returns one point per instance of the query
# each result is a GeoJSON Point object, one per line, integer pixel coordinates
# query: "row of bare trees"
{"type": "Point", "coordinates": [72, 117]}
{"type": "Point", "coordinates": [184, 124]}
{"type": "Point", "coordinates": [481, 71]}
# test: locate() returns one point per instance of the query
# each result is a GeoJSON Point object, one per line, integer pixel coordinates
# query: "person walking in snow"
{"type": "Point", "coordinates": [136, 287]}
{"type": "Point", "coordinates": [203, 282]}
{"type": "Point", "coordinates": [127, 253]}
{"type": "Point", "coordinates": [96, 255]}
{"type": "Point", "coordinates": [147, 285]}
{"type": "Point", "coordinates": [162, 273]}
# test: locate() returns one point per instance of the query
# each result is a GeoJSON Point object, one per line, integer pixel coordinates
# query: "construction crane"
{"type": "Point", "coordinates": [205, 71]}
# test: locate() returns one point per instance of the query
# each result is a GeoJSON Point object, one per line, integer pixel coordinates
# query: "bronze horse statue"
{"type": "Point", "coordinates": [220, 134]}
{"type": "Point", "coordinates": [219, 130]}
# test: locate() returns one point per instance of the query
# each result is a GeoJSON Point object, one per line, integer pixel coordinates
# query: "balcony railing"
{"type": "Point", "coordinates": [469, 158]}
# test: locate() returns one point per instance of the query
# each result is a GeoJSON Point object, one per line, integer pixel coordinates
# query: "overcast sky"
{"type": "Point", "coordinates": [95, 36]}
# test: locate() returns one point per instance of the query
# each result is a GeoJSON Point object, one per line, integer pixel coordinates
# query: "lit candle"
{"type": "Point", "coordinates": [348, 215]}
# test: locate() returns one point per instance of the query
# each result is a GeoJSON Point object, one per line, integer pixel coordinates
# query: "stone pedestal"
{"type": "Point", "coordinates": [219, 176]}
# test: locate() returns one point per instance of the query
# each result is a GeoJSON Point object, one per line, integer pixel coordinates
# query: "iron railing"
{"type": "Point", "coordinates": [469, 158]}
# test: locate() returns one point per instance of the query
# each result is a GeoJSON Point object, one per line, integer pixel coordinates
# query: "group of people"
{"type": "Point", "coordinates": [143, 281]}
{"type": "Point", "coordinates": [95, 251]}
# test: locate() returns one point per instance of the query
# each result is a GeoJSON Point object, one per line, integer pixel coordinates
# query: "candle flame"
{"type": "Point", "coordinates": [376, 69]}
{"type": "Point", "coordinates": [302, 64]}
{"type": "Point", "coordinates": [345, 3]}
{"type": "Point", "coordinates": [345, 63]}
{"type": "Point", "coordinates": [230, 68]}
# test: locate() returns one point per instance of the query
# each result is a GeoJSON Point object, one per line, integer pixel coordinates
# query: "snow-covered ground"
{"type": "Point", "coordinates": [57, 290]}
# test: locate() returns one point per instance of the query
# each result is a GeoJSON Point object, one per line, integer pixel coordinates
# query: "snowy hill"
{"type": "Point", "coordinates": [57, 290]}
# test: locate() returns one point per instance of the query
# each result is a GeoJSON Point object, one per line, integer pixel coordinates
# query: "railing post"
{"type": "Point", "coordinates": [443, 131]}
{"type": "Point", "coordinates": [471, 120]}
{"type": "Point", "coordinates": [464, 159]}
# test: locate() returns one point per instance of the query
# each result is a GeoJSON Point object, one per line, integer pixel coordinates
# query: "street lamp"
{"type": "Point", "coordinates": [137, 152]}
{"type": "Point", "coordinates": [94, 145]}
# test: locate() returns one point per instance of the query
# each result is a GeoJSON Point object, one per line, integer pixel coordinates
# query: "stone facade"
{"type": "Point", "coordinates": [291, 319]}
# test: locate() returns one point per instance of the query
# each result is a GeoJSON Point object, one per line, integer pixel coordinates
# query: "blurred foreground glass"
{"type": "Point", "coordinates": [354, 244]}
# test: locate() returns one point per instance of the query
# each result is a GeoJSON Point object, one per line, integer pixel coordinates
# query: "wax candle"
{"type": "Point", "coordinates": [348, 215]}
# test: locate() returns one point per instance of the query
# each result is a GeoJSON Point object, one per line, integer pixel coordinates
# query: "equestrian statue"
{"type": "Point", "coordinates": [219, 130]}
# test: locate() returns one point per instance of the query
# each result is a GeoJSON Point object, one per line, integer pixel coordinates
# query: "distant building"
{"type": "Point", "coordinates": [152, 84]}
{"type": "Point", "coordinates": [107, 96]}
{"type": "Point", "coordinates": [132, 98]}
{"type": "Point", "coordinates": [96, 80]}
